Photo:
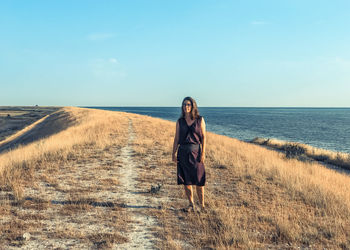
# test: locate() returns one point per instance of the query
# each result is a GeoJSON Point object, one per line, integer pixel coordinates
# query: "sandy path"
{"type": "Point", "coordinates": [76, 206]}
{"type": "Point", "coordinates": [141, 236]}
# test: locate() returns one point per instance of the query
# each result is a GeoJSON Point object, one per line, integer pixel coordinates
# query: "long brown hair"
{"type": "Point", "coordinates": [194, 111]}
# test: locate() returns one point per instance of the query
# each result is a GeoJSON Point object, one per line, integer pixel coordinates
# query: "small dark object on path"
{"type": "Point", "coordinates": [190, 208]}
{"type": "Point", "coordinates": [155, 189]}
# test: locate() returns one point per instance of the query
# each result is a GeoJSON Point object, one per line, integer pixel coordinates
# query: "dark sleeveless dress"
{"type": "Point", "coordinates": [190, 171]}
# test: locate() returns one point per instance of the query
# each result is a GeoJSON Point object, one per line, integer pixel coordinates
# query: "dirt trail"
{"type": "Point", "coordinates": [79, 206]}
{"type": "Point", "coordinates": [141, 236]}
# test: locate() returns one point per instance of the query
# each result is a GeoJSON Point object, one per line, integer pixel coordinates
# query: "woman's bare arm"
{"type": "Point", "coordinates": [176, 141]}
{"type": "Point", "coordinates": [204, 140]}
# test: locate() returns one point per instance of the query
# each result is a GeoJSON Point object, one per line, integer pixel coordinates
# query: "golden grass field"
{"type": "Point", "coordinates": [68, 190]}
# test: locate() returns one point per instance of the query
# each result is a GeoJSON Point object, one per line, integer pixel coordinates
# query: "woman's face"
{"type": "Point", "coordinates": [187, 106]}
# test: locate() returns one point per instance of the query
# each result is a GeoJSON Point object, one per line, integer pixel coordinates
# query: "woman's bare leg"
{"type": "Point", "coordinates": [200, 193]}
{"type": "Point", "coordinates": [189, 193]}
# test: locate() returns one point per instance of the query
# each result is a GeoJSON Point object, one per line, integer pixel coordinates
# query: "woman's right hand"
{"type": "Point", "coordinates": [174, 158]}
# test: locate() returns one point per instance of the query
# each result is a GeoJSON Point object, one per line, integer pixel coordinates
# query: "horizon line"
{"type": "Point", "coordinates": [154, 106]}
{"type": "Point", "coordinates": [315, 107]}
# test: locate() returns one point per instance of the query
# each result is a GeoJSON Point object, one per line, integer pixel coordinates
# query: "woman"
{"type": "Point", "coordinates": [189, 142]}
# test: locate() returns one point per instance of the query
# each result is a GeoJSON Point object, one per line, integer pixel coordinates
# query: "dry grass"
{"type": "Point", "coordinates": [299, 150]}
{"type": "Point", "coordinates": [92, 129]}
{"type": "Point", "coordinates": [95, 240]}
{"type": "Point", "coordinates": [255, 197]}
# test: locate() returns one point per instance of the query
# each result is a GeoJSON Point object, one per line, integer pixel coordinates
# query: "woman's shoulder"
{"type": "Point", "coordinates": [200, 119]}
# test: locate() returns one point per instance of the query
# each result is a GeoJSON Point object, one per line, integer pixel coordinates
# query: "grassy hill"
{"type": "Point", "coordinates": [69, 189]}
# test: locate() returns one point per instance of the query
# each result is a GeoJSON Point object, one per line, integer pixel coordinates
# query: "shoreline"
{"type": "Point", "coordinates": [304, 152]}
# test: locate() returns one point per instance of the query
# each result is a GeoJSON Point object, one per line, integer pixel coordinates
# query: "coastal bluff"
{"type": "Point", "coordinates": [85, 178]}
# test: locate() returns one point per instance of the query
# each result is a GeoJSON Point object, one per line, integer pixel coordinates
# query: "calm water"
{"type": "Point", "coordinates": [327, 128]}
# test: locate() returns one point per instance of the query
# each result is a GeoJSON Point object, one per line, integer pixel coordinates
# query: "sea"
{"type": "Point", "coordinates": [327, 128]}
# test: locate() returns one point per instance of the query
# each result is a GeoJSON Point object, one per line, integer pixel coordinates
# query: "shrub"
{"type": "Point", "coordinates": [293, 150]}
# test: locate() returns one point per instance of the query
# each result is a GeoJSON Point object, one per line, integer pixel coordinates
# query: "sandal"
{"type": "Point", "coordinates": [189, 208]}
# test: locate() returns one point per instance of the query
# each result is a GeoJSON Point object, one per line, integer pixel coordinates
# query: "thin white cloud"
{"type": "Point", "coordinates": [100, 36]}
{"type": "Point", "coordinates": [341, 61]}
{"type": "Point", "coordinates": [113, 60]}
{"type": "Point", "coordinates": [258, 22]}
{"type": "Point", "coordinates": [107, 69]}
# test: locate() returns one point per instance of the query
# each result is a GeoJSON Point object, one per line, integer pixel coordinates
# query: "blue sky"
{"type": "Point", "coordinates": [262, 53]}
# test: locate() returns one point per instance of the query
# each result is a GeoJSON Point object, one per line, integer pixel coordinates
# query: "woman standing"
{"type": "Point", "coordinates": [189, 142]}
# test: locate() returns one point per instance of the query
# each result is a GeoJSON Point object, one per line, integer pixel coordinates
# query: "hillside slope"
{"type": "Point", "coordinates": [88, 186]}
